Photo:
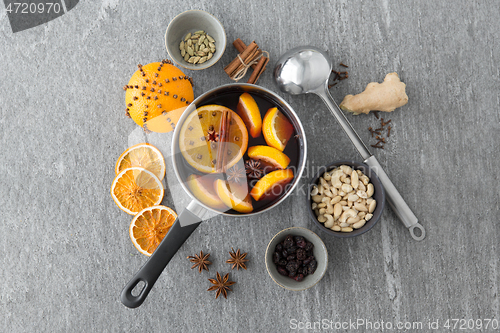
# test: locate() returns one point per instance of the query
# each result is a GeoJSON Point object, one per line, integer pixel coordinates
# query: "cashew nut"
{"type": "Point", "coordinates": [347, 214]}
{"type": "Point", "coordinates": [317, 198]}
{"type": "Point", "coordinates": [329, 208]}
{"type": "Point", "coordinates": [329, 221]}
{"type": "Point", "coordinates": [372, 206]}
{"type": "Point", "coordinates": [335, 200]}
{"type": "Point", "coordinates": [369, 190]}
{"type": "Point", "coordinates": [359, 224]}
{"type": "Point", "coordinates": [314, 190]}
{"type": "Point", "coordinates": [354, 180]}
{"type": "Point", "coordinates": [337, 210]}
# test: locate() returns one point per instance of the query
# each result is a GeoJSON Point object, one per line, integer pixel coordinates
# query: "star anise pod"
{"type": "Point", "coordinates": [253, 169]}
{"type": "Point", "coordinates": [236, 175]}
{"type": "Point", "coordinates": [212, 136]}
{"type": "Point", "coordinates": [237, 259]}
{"type": "Point", "coordinates": [221, 285]}
{"type": "Point", "coordinates": [200, 261]}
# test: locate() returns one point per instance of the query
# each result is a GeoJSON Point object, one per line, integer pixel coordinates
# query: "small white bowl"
{"type": "Point", "coordinates": [191, 21]}
{"type": "Point", "coordinates": [320, 254]}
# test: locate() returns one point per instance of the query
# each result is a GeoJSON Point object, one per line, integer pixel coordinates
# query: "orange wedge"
{"type": "Point", "coordinates": [273, 184]}
{"type": "Point", "coordinates": [249, 111]}
{"type": "Point", "coordinates": [142, 155]}
{"type": "Point", "coordinates": [199, 138]}
{"type": "Point", "coordinates": [136, 188]}
{"type": "Point", "coordinates": [235, 197]}
{"type": "Point", "coordinates": [202, 187]}
{"type": "Point", "coordinates": [277, 129]}
{"type": "Point", "coordinates": [149, 227]}
{"type": "Point", "coordinates": [270, 155]}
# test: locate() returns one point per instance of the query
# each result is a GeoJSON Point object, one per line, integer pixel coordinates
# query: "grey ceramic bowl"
{"type": "Point", "coordinates": [320, 253]}
{"type": "Point", "coordinates": [191, 21]}
{"type": "Point", "coordinates": [378, 195]}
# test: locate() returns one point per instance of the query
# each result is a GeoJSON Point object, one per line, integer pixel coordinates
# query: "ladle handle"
{"type": "Point", "coordinates": [342, 120]}
{"type": "Point", "coordinates": [155, 265]}
{"type": "Point", "coordinates": [396, 201]}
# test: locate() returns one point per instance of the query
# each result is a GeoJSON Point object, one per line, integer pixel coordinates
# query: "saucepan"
{"type": "Point", "coordinates": [210, 157]}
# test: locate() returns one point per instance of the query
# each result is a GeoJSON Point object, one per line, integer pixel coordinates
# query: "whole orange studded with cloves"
{"type": "Point", "coordinates": [154, 91]}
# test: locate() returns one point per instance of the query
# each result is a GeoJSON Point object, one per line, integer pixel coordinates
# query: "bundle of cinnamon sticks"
{"type": "Point", "coordinates": [249, 56]}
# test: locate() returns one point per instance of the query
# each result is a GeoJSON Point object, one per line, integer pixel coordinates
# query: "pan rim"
{"type": "Point", "coordinates": [246, 87]}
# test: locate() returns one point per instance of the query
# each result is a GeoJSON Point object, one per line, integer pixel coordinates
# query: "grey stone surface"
{"type": "Point", "coordinates": [66, 253]}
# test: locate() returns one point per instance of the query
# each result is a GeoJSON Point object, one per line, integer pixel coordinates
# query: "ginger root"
{"type": "Point", "coordinates": [385, 96]}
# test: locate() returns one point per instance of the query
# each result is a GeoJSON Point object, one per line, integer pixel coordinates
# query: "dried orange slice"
{"type": "Point", "coordinates": [249, 111]}
{"type": "Point", "coordinates": [136, 188]}
{"type": "Point", "coordinates": [149, 227]}
{"type": "Point", "coordinates": [270, 155]}
{"type": "Point", "coordinates": [142, 155]}
{"type": "Point", "coordinates": [199, 138]}
{"type": "Point", "coordinates": [202, 187]}
{"type": "Point", "coordinates": [234, 196]}
{"type": "Point", "coordinates": [273, 184]}
{"type": "Point", "coordinates": [277, 129]}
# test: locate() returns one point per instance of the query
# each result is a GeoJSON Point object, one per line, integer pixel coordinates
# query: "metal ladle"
{"type": "Point", "coordinates": [307, 69]}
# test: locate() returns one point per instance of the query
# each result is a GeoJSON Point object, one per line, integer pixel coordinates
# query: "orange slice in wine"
{"type": "Point", "coordinates": [202, 187]}
{"type": "Point", "coordinates": [277, 129]}
{"type": "Point", "coordinates": [272, 185]}
{"type": "Point", "coordinates": [234, 196]}
{"type": "Point", "coordinates": [270, 155]}
{"type": "Point", "coordinates": [200, 138]}
{"type": "Point", "coordinates": [249, 111]}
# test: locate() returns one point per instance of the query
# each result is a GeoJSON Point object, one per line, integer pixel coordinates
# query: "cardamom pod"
{"type": "Point", "coordinates": [197, 47]}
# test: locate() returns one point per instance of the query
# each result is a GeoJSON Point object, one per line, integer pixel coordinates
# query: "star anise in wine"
{"type": "Point", "coordinates": [237, 259]}
{"type": "Point", "coordinates": [236, 174]}
{"type": "Point", "coordinates": [212, 136]}
{"type": "Point", "coordinates": [221, 285]}
{"type": "Point", "coordinates": [200, 261]}
{"type": "Point", "coordinates": [253, 169]}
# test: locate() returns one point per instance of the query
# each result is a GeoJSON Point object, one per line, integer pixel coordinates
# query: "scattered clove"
{"type": "Point", "coordinates": [338, 76]}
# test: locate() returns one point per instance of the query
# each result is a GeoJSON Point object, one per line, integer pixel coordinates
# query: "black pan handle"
{"type": "Point", "coordinates": [152, 269]}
